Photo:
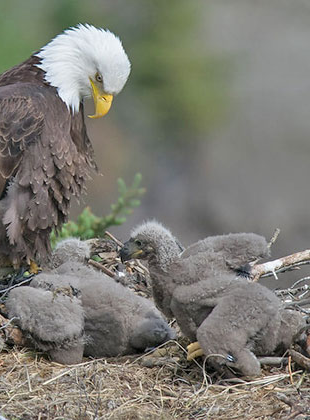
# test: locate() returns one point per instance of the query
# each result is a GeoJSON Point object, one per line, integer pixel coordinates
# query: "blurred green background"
{"type": "Point", "coordinates": [215, 114]}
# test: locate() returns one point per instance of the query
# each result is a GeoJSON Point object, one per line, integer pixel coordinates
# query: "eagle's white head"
{"type": "Point", "coordinates": [85, 61]}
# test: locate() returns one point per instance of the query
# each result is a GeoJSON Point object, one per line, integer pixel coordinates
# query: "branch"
{"type": "Point", "coordinates": [301, 360]}
{"type": "Point", "coordinates": [11, 333]}
{"type": "Point", "coordinates": [273, 238]}
{"type": "Point", "coordinates": [118, 242]}
{"type": "Point", "coordinates": [281, 264]}
{"type": "Point", "coordinates": [273, 361]}
{"type": "Point", "coordinates": [295, 406]}
{"type": "Point", "coordinates": [102, 268]}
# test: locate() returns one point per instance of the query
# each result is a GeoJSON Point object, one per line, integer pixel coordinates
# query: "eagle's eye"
{"type": "Point", "coordinates": [138, 242]}
{"type": "Point", "coordinates": [98, 77]}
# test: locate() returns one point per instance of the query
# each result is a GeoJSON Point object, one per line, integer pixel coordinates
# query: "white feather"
{"type": "Point", "coordinates": [71, 58]}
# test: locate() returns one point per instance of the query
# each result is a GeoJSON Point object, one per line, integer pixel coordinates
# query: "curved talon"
{"type": "Point", "coordinates": [194, 350]}
{"type": "Point", "coordinates": [34, 268]}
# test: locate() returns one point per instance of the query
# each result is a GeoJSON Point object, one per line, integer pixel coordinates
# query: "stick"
{"type": "Point", "coordinates": [4, 292]}
{"type": "Point", "coordinates": [296, 409]}
{"type": "Point", "coordinates": [284, 399]}
{"type": "Point", "coordinates": [102, 268]}
{"type": "Point", "coordinates": [290, 369]}
{"type": "Point", "coordinates": [12, 334]}
{"type": "Point", "coordinates": [281, 264]}
{"type": "Point", "coordinates": [273, 361]}
{"type": "Point", "coordinates": [273, 238]}
{"type": "Point", "coordinates": [143, 268]}
{"type": "Point", "coordinates": [302, 302]}
{"type": "Point", "coordinates": [58, 376]}
{"type": "Point", "coordinates": [119, 243]}
{"type": "Point", "coordinates": [301, 360]}
{"type": "Point", "coordinates": [7, 322]}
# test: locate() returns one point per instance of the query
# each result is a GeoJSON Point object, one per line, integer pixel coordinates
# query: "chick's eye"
{"type": "Point", "coordinates": [98, 77]}
{"type": "Point", "coordinates": [138, 243]}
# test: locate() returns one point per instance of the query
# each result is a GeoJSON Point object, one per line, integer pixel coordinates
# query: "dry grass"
{"type": "Point", "coordinates": [123, 388]}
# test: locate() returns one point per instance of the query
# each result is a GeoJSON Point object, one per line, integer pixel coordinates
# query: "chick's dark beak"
{"type": "Point", "coordinates": [129, 251]}
{"type": "Point", "coordinates": [125, 253]}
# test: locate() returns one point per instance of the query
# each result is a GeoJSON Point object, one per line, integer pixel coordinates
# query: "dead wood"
{"type": "Point", "coordinates": [117, 241]}
{"type": "Point", "coordinates": [301, 360]}
{"type": "Point", "coordinates": [273, 361]}
{"type": "Point", "coordinates": [11, 334]}
{"type": "Point", "coordinates": [102, 268]}
{"type": "Point", "coordinates": [296, 408]}
{"type": "Point", "coordinates": [274, 267]}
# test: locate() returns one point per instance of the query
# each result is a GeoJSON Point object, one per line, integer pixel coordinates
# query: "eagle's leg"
{"type": "Point", "coordinates": [5, 261]}
{"type": "Point", "coordinates": [194, 350]}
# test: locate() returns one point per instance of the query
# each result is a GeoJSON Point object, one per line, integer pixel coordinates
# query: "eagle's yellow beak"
{"type": "Point", "coordinates": [102, 101]}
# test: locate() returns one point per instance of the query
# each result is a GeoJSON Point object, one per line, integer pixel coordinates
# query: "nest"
{"type": "Point", "coordinates": [123, 388]}
{"type": "Point", "coordinates": [161, 384]}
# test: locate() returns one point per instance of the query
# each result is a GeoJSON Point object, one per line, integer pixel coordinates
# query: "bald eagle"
{"type": "Point", "coordinates": [45, 153]}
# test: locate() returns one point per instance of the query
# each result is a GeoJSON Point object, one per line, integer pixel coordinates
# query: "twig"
{"type": "Point", "coordinates": [4, 292]}
{"type": "Point", "coordinates": [284, 399]}
{"type": "Point", "coordinates": [267, 380]}
{"type": "Point", "coordinates": [273, 238]}
{"type": "Point", "coordinates": [301, 360]}
{"type": "Point", "coordinates": [281, 264]}
{"type": "Point", "coordinates": [58, 376]}
{"type": "Point", "coordinates": [293, 291]}
{"type": "Point", "coordinates": [299, 281]}
{"type": "Point", "coordinates": [269, 245]}
{"type": "Point", "coordinates": [9, 322]}
{"type": "Point", "coordinates": [117, 241]}
{"type": "Point", "coordinates": [12, 333]}
{"type": "Point", "coordinates": [296, 409]}
{"type": "Point", "coordinates": [297, 303]}
{"type": "Point", "coordinates": [102, 268]}
{"type": "Point", "coordinates": [28, 379]}
{"type": "Point", "coordinates": [290, 369]}
{"type": "Point", "coordinates": [273, 361]}
{"type": "Point", "coordinates": [143, 268]}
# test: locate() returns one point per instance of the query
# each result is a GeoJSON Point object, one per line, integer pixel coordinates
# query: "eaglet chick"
{"type": "Point", "coordinates": [115, 321]}
{"type": "Point", "coordinates": [51, 321]}
{"type": "Point", "coordinates": [233, 320]}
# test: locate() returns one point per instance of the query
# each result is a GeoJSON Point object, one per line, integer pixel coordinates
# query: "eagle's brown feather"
{"type": "Point", "coordinates": [45, 158]}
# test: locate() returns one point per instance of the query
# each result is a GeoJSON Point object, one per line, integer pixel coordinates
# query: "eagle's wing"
{"type": "Point", "coordinates": [46, 153]}
{"type": "Point", "coordinates": [33, 147]}
{"type": "Point", "coordinates": [20, 125]}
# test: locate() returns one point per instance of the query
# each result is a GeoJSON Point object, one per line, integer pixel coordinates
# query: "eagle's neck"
{"type": "Point", "coordinates": [164, 256]}
{"type": "Point", "coordinates": [26, 72]}
{"type": "Point", "coordinates": [29, 72]}
{"type": "Point", "coordinates": [64, 71]}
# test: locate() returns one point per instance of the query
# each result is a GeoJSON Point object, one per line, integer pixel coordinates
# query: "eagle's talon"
{"type": "Point", "coordinates": [194, 350]}
{"type": "Point", "coordinates": [34, 268]}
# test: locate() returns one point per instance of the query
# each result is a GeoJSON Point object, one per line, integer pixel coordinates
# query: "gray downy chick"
{"type": "Point", "coordinates": [71, 249]}
{"type": "Point", "coordinates": [233, 320]}
{"type": "Point", "coordinates": [117, 322]}
{"type": "Point", "coordinates": [51, 322]}
{"type": "Point", "coordinates": [99, 318]}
